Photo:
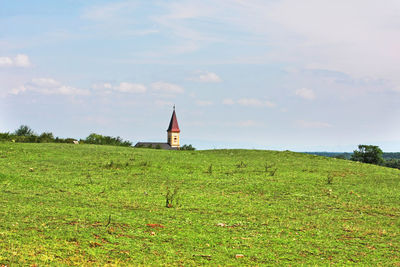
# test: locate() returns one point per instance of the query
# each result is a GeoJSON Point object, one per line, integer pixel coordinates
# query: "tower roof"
{"type": "Point", "coordinates": [173, 124]}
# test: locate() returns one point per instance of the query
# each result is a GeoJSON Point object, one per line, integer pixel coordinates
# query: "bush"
{"type": "Point", "coordinates": [46, 137]}
{"type": "Point", "coordinates": [187, 147]}
{"type": "Point", "coordinates": [99, 139]}
{"type": "Point", "coordinates": [393, 163]}
{"type": "Point", "coordinates": [5, 137]}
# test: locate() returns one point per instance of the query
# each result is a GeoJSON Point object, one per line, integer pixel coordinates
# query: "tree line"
{"type": "Point", "coordinates": [24, 134]}
{"type": "Point", "coordinates": [367, 154]}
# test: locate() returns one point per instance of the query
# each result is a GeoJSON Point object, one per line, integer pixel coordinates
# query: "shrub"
{"type": "Point", "coordinates": [5, 137]}
{"type": "Point", "coordinates": [99, 139]}
{"type": "Point", "coordinates": [187, 147]}
{"type": "Point", "coordinates": [393, 163]}
{"type": "Point", "coordinates": [46, 137]}
{"type": "Point", "coordinates": [171, 197]}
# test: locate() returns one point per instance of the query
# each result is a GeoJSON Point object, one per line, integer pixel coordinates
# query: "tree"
{"type": "Point", "coordinates": [24, 130]}
{"type": "Point", "coordinates": [368, 154]}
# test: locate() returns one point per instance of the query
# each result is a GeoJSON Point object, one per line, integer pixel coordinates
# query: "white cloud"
{"type": "Point", "coordinates": [109, 11]}
{"type": "Point", "coordinates": [269, 104]}
{"type": "Point", "coordinates": [363, 42]}
{"type": "Point", "coordinates": [107, 85]}
{"type": "Point", "coordinates": [45, 82]}
{"type": "Point", "coordinates": [249, 102]}
{"type": "Point", "coordinates": [228, 101]}
{"type": "Point", "coordinates": [248, 123]}
{"type": "Point", "coordinates": [168, 88]}
{"type": "Point", "coordinates": [204, 103]}
{"type": "Point", "coordinates": [162, 103]}
{"type": "Point", "coordinates": [19, 60]}
{"type": "Point", "coordinates": [313, 124]}
{"type": "Point", "coordinates": [125, 87]}
{"type": "Point", "coordinates": [253, 102]}
{"type": "Point", "coordinates": [22, 60]}
{"type": "Point", "coordinates": [306, 93]}
{"type": "Point", "coordinates": [206, 77]}
{"type": "Point", "coordinates": [48, 86]}
{"type": "Point", "coordinates": [5, 62]}
{"type": "Point", "coordinates": [244, 124]}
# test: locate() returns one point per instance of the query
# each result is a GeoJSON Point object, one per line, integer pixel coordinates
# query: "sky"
{"type": "Point", "coordinates": [301, 75]}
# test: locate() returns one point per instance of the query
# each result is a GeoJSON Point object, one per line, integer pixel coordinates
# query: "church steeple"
{"type": "Point", "coordinates": [173, 131]}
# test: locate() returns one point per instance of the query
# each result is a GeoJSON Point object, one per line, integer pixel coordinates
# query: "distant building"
{"type": "Point", "coordinates": [173, 132]}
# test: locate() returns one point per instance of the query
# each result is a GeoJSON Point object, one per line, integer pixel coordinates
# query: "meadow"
{"type": "Point", "coordinates": [63, 204]}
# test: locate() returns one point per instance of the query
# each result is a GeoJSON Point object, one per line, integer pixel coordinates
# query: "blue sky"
{"type": "Point", "coordinates": [302, 75]}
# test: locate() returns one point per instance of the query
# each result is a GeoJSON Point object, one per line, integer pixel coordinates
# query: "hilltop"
{"type": "Point", "coordinates": [89, 204]}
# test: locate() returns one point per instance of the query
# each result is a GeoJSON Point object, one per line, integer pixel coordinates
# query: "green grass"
{"type": "Point", "coordinates": [56, 201]}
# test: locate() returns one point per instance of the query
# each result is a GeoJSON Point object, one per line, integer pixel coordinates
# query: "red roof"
{"type": "Point", "coordinates": [173, 124]}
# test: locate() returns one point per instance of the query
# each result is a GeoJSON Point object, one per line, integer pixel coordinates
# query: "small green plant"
{"type": "Point", "coordinates": [89, 177]}
{"type": "Point", "coordinates": [145, 163]}
{"type": "Point", "coordinates": [270, 169]}
{"type": "Point", "coordinates": [109, 164]}
{"type": "Point", "coordinates": [329, 179]}
{"type": "Point", "coordinates": [171, 197]}
{"type": "Point", "coordinates": [241, 165]}
{"type": "Point", "coordinates": [210, 169]}
{"type": "Point", "coordinates": [109, 221]}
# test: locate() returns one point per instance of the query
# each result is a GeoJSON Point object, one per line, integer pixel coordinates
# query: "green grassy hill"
{"type": "Point", "coordinates": [87, 204]}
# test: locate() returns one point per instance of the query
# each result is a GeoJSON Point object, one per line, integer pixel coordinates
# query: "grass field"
{"type": "Point", "coordinates": [87, 204]}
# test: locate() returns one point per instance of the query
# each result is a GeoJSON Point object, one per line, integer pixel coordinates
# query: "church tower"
{"type": "Point", "coordinates": [173, 131]}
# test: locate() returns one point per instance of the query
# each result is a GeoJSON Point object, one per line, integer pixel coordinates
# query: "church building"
{"type": "Point", "coordinates": [173, 132]}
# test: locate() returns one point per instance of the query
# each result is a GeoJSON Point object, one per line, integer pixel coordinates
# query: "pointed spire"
{"type": "Point", "coordinates": [173, 124]}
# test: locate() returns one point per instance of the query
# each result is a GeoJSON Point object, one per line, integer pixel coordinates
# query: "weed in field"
{"type": "Point", "coordinates": [329, 179]}
{"type": "Point", "coordinates": [109, 164]}
{"type": "Point", "coordinates": [109, 221]}
{"type": "Point", "coordinates": [273, 171]}
{"type": "Point", "coordinates": [171, 197]}
{"type": "Point", "coordinates": [269, 168]}
{"type": "Point", "coordinates": [145, 164]}
{"type": "Point", "coordinates": [89, 177]}
{"type": "Point", "coordinates": [241, 165]}
{"type": "Point", "coordinates": [210, 169]}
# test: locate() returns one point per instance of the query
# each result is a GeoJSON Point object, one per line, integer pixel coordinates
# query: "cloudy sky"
{"type": "Point", "coordinates": [303, 75]}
